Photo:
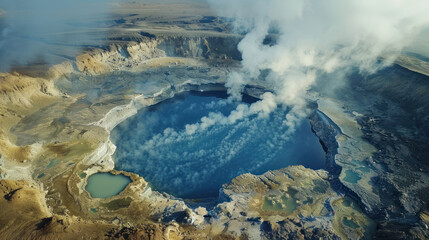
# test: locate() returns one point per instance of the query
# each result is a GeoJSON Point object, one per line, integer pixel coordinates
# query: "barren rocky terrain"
{"type": "Point", "coordinates": [55, 124]}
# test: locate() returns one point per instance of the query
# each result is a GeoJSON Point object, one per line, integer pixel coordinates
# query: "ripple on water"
{"type": "Point", "coordinates": [155, 144]}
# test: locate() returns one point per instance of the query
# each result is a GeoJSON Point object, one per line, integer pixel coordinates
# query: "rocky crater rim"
{"type": "Point", "coordinates": [102, 162]}
{"type": "Point", "coordinates": [142, 50]}
{"type": "Point", "coordinates": [103, 62]}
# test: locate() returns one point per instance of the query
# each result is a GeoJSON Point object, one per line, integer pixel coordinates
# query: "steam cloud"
{"type": "Point", "coordinates": [47, 30]}
{"type": "Point", "coordinates": [316, 37]}
{"type": "Point", "coordinates": [157, 145]}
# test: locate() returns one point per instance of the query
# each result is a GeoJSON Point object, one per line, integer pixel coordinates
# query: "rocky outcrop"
{"type": "Point", "coordinates": [287, 203]}
{"type": "Point", "coordinates": [380, 147]}
{"type": "Point", "coordinates": [153, 51]}
{"type": "Point", "coordinates": [208, 47]}
{"type": "Point", "coordinates": [118, 57]}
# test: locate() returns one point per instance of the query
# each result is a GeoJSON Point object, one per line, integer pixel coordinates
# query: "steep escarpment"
{"type": "Point", "coordinates": [209, 47]}
{"type": "Point", "coordinates": [155, 51]}
{"type": "Point", "coordinates": [118, 56]}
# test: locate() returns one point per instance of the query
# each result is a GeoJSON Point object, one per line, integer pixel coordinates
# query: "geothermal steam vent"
{"type": "Point", "coordinates": [188, 146]}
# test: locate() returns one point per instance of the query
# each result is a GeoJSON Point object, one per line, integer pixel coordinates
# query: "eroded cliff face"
{"type": "Point", "coordinates": [155, 51]}
{"type": "Point", "coordinates": [118, 57]}
{"type": "Point", "coordinates": [206, 47]}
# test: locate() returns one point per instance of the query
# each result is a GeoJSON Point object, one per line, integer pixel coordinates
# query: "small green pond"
{"type": "Point", "coordinates": [287, 204]}
{"type": "Point", "coordinates": [104, 185]}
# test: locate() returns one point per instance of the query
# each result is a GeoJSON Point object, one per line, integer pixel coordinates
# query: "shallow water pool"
{"type": "Point", "coordinates": [104, 185]}
{"type": "Point", "coordinates": [351, 177]}
{"type": "Point", "coordinates": [155, 144]}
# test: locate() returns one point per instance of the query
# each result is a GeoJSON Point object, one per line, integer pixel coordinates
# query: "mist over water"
{"type": "Point", "coordinates": [156, 145]}
{"type": "Point", "coordinates": [310, 39]}
{"type": "Point", "coordinates": [296, 41]}
{"type": "Point", "coordinates": [49, 31]}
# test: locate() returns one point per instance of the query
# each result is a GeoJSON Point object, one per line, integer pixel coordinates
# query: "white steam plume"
{"type": "Point", "coordinates": [315, 37]}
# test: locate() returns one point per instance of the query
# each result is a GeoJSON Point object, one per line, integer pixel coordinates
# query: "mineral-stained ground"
{"type": "Point", "coordinates": [55, 123]}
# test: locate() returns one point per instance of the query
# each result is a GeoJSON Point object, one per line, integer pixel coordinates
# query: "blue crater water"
{"type": "Point", "coordinates": [155, 145]}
